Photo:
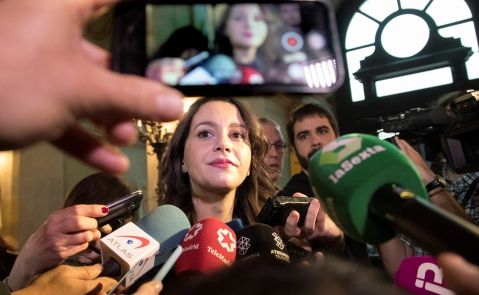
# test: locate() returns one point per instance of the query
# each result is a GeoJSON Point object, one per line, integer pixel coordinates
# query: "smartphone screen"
{"type": "Point", "coordinates": [289, 46]}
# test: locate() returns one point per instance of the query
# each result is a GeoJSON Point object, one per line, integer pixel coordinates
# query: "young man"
{"type": "Point", "coordinates": [276, 148]}
{"type": "Point", "coordinates": [311, 127]}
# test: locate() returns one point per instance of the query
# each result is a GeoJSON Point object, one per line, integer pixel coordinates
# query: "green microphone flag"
{"type": "Point", "coordinates": [346, 173]}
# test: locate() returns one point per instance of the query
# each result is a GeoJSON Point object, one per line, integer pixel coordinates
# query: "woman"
{"type": "Point", "coordinates": [241, 33]}
{"type": "Point", "coordinates": [214, 164]}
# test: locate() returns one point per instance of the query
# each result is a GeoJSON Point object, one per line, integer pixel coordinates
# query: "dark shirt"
{"type": "Point", "coordinates": [6, 263]}
{"type": "Point", "coordinates": [300, 183]}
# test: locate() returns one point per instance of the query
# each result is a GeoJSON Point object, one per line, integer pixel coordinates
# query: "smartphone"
{"type": "Point", "coordinates": [182, 43]}
{"type": "Point", "coordinates": [121, 207]}
{"type": "Point", "coordinates": [276, 210]}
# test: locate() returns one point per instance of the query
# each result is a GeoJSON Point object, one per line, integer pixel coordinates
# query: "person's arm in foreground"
{"type": "Point", "coordinates": [66, 232]}
{"type": "Point", "coordinates": [51, 77]}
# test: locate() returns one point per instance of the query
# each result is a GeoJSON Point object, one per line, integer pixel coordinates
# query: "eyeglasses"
{"type": "Point", "coordinates": [279, 146]}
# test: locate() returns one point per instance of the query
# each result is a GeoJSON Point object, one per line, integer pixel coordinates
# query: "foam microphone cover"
{"type": "Point", "coordinates": [209, 245]}
{"type": "Point", "coordinates": [421, 275]}
{"type": "Point", "coordinates": [168, 225]}
{"type": "Point", "coordinates": [346, 173]}
{"type": "Point", "coordinates": [235, 224]}
{"type": "Point", "coordinates": [260, 241]}
{"type": "Point", "coordinates": [222, 68]}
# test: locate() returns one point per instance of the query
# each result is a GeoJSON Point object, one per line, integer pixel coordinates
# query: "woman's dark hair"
{"type": "Point", "coordinates": [250, 195]}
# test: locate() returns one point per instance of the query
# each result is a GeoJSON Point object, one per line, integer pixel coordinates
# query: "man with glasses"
{"type": "Point", "coordinates": [276, 148]}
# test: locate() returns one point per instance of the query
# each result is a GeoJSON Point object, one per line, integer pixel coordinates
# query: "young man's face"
{"type": "Point", "coordinates": [310, 135]}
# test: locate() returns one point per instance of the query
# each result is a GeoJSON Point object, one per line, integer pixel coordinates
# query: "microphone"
{"type": "Point", "coordinates": [420, 275]}
{"type": "Point", "coordinates": [260, 241]}
{"type": "Point", "coordinates": [130, 248]}
{"type": "Point", "coordinates": [166, 225]}
{"type": "Point", "coordinates": [370, 189]}
{"type": "Point", "coordinates": [208, 245]}
{"type": "Point", "coordinates": [235, 224]}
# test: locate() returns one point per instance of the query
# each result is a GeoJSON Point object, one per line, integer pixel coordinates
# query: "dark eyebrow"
{"type": "Point", "coordinates": [208, 123]}
{"type": "Point", "coordinates": [213, 124]}
{"type": "Point", "coordinates": [323, 127]}
{"type": "Point", "coordinates": [302, 132]}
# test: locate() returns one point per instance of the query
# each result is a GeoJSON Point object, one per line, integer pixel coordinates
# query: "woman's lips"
{"type": "Point", "coordinates": [221, 163]}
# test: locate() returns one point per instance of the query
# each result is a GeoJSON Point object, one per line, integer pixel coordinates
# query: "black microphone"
{"type": "Point", "coordinates": [260, 241]}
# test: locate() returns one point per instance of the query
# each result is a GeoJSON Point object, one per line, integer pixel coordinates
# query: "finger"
{"type": "Point", "coordinates": [87, 210]}
{"type": "Point", "coordinates": [92, 151]}
{"type": "Point", "coordinates": [96, 4]}
{"type": "Point", "coordinates": [399, 142]}
{"type": "Point", "coordinates": [299, 195]}
{"type": "Point", "coordinates": [291, 228]}
{"type": "Point", "coordinates": [106, 284]}
{"type": "Point", "coordinates": [96, 54]}
{"type": "Point", "coordinates": [460, 275]}
{"type": "Point", "coordinates": [125, 96]}
{"type": "Point", "coordinates": [70, 250]}
{"type": "Point", "coordinates": [87, 7]}
{"type": "Point", "coordinates": [312, 217]}
{"type": "Point", "coordinates": [89, 272]}
{"type": "Point", "coordinates": [106, 229]}
{"type": "Point", "coordinates": [150, 288]}
{"type": "Point", "coordinates": [82, 237]}
{"type": "Point", "coordinates": [122, 132]}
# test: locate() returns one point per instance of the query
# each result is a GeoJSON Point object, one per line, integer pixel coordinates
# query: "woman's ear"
{"type": "Point", "coordinates": [183, 167]}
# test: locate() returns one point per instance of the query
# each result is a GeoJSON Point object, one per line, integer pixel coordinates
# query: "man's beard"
{"type": "Point", "coordinates": [303, 161]}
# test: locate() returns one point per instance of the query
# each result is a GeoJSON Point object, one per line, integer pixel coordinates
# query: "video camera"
{"type": "Point", "coordinates": [453, 127]}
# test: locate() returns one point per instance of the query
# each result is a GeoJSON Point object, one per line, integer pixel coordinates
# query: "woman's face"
{"type": "Point", "coordinates": [217, 152]}
{"type": "Point", "coordinates": [246, 26]}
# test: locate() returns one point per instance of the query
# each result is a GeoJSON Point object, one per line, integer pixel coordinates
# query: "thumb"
{"type": "Point", "coordinates": [150, 288]}
{"type": "Point", "coordinates": [88, 272]}
{"type": "Point", "coordinates": [128, 96]}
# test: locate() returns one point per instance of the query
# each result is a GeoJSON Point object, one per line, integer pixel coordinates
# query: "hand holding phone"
{"type": "Point", "coordinates": [276, 210]}
{"type": "Point", "coordinates": [121, 207]}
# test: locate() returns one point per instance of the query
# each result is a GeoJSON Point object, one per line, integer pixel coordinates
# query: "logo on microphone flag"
{"type": "Point", "coordinates": [195, 229]}
{"type": "Point", "coordinates": [226, 239]}
{"type": "Point", "coordinates": [243, 245]}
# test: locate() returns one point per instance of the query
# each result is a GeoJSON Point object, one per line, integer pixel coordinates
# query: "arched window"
{"type": "Point", "coordinates": [397, 46]}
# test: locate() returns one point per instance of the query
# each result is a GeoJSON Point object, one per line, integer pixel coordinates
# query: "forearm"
{"type": "Point", "coordinates": [444, 199]}
{"type": "Point", "coordinates": [21, 275]}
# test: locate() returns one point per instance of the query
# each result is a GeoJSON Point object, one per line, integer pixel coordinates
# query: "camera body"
{"type": "Point", "coordinates": [276, 210]}
{"type": "Point", "coordinates": [452, 128]}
